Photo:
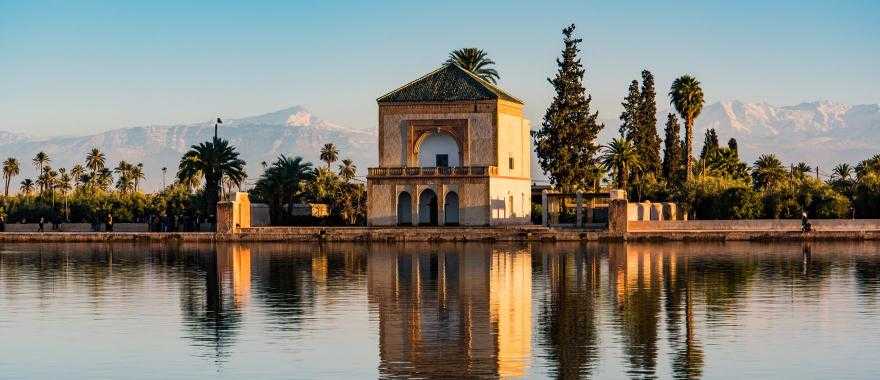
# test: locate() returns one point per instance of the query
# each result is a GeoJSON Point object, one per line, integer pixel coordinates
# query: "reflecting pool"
{"type": "Point", "coordinates": [734, 310]}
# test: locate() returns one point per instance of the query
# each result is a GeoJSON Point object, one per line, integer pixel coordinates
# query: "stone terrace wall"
{"type": "Point", "coordinates": [76, 227]}
{"type": "Point", "coordinates": [754, 225]}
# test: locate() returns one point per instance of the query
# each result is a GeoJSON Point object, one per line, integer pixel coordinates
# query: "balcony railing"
{"type": "Point", "coordinates": [457, 171]}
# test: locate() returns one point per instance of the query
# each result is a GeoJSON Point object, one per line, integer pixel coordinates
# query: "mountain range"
{"type": "Point", "coordinates": [292, 131]}
{"type": "Point", "coordinates": [822, 132]}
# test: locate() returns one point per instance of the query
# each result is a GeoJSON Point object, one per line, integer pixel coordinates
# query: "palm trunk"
{"type": "Point", "coordinates": [689, 145]}
{"type": "Point", "coordinates": [7, 184]}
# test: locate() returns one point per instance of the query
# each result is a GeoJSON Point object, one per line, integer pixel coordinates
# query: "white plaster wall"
{"type": "Point", "coordinates": [502, 210]}
{"type": "Point", "coordinates": [438, 143]}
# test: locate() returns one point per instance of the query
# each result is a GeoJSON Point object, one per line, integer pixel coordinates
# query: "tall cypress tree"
{"type": "Point", "coordinates": [648, 141]}
{"type": "Point", "coordinates": [710, 143]}
{"type": "Point", "coordinates": [566, 142]}
{"type": "Point", "coordinates": [733, 146]}
{"type": "Point", "coordinates": [629, 118]}
{"type": "Point", "coordinates": [672, 152]}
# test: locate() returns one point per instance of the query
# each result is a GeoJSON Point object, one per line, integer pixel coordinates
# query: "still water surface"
{"type": "Point", "coordinates": [743, 310]}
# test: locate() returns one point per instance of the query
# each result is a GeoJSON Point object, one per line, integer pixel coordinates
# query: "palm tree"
{"type": "Point", "coordinates": [122, 168]}
{"type": "Point", "coordinates": [95, 160]}
{"type": "Point", "coordinates": [124, 183]}
{"type": "Point", "coordinates": [51, 182]}
{"type": "Point", "coordinates": [10, 170]}
{"type": "Point", "coordinates": [620, 156]}
{"type": "Point", "coordinates": [103, 179]}
{"type": "Point", "coordinates": [64, 185]}
{"type": "Point", "coordinates": [40, 160]}
{"type": "Point", "coordinates": [329, 154]}
{"type": "Point", "coordinates": [77, 173]}
{"type": "Point", "coordinates": [27, 186]}
{"type": "Point", "coordinates": [191, 183]}
{"type": "Point", "coordinates": [687, 98]}
{"type": "Point", "coordinates": [137, 174]}
{"type": "Point", "coordinates": [801, 170]}
{"type": "Point", "coordinates": [347, 170]}
{"type": "Point", "coordinates": [842, 172]}
{"type": "Point", "coordinates": [768, 171]}
{"type": "Point", "coordinates": [45, 179]}
{"type": "Point", "coordinates": [212, 160]}
{"type": "Point", "coordinates": [282, 182]}
{"type": "Point", "coordinates": [724, 162]}
{"type": "Point", "coordinates": [871, 165]}
{"type": "Point", "coordinates": [476, 61]}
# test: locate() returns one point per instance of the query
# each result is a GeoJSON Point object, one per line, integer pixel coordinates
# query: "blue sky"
{"type": "Point", "coordinates": [77, 67]}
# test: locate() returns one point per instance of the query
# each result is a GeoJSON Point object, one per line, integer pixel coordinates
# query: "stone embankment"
{"type": "Point", "coordinates": [457, 234]}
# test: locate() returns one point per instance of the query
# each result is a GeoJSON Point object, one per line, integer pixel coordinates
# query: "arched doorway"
{"type": "Point", "coordinates": [428, 208]}
{"type": "Point", "coordinates": [404, 209]}
{"type": "Point", "coordinates": [450, 209]}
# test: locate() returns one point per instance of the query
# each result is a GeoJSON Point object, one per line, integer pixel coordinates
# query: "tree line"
{"type": "Point", "coordinates": [717, 184]}
{"type": "Point", "coordinates": [91, 190]}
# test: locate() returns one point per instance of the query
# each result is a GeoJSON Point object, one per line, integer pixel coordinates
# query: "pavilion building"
{"type": "Point", "coordinates": [453, 150]}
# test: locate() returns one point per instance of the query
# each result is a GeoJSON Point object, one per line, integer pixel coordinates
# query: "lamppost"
{"type": "Point", "coordinates": [215, 127]}
{"type": "Point", "coordinates": [217, 169]}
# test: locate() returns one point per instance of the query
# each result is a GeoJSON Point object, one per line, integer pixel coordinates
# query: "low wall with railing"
{"type": "Point", "coordinates": [754, 225]}
{"type": "Point", "coordinates": [654, 211]}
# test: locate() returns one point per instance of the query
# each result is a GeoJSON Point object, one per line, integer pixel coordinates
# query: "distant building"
{"type": "Point", "coordinates": [453, 150]}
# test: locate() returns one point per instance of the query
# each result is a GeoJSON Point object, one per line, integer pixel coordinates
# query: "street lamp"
{"type": "Point", "coordinates": [215, 127]}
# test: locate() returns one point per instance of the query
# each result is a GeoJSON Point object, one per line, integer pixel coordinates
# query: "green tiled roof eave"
{"type": "Point", "coordinates": [449, 83]}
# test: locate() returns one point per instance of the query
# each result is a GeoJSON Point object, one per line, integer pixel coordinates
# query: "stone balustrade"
{"type": "Point", "coordinates": [456, 171]}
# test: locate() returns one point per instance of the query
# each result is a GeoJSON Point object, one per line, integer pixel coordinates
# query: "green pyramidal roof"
{"type": "Point", "coordinates": [449, 83]}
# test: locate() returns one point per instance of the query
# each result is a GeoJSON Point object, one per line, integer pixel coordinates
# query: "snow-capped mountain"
{"type": "Point", "coordinates": [822, 132]}
{"type": "Point", "coordinates": [292, 131]}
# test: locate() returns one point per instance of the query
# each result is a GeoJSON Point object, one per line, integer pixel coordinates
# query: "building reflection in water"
{"type": "Point", "coordinates": [447, 312]}
{"type": "Point", "coordinates": [466, 310]}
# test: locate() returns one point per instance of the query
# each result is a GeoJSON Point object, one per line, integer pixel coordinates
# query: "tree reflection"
{"type": "Point", "coordinates": [568, 318]}
{"type": "Point", "coordinates": [211, 312]}
{"type": "Point", "coordinates": [636, 273]}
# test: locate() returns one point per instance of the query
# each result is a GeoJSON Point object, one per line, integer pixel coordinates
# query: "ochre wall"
{"type": "Point", "coordinates": [480, 126]}
{"type": "Point", "coordinates": [514, 140]}
{"type": "Point", "coordinates": [472, 198]}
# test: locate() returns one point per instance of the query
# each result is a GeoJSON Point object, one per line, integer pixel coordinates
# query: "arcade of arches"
{"type": "Point", "coordinates": [428, 211]}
